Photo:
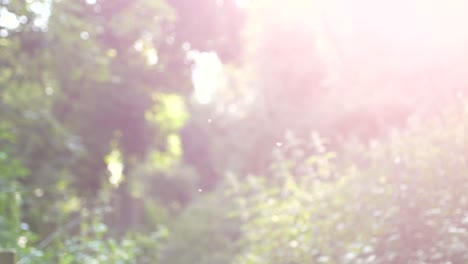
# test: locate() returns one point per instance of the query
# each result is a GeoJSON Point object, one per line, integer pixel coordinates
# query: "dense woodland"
{"type": "Point", "coordinates": [236, 132]}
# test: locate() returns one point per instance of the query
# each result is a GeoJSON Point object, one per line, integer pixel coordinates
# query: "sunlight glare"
{"type": "Point", "coordinates": [8, 20]}
{"type": "Point", "coordinates": [207, 75]}
{"type": "Point", "coordinates": [115, 167]}
{"type": "Point", "coordinates": [242, 3]}
{"type": "Point", "coordinates": [417, 23]}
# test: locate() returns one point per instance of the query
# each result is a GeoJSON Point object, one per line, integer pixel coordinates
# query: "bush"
{"type": "Point", "coordinates": [402, 200]}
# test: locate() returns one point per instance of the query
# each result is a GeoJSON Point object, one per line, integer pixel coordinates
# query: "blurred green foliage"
{"type": "Point", "coordinates": [106, 156]}
{"type": "Point", "coordinates": [400, 200]}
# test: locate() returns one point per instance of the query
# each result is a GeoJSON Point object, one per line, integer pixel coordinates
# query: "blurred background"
{"type": "Point", "coordinates": [234, 131]}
